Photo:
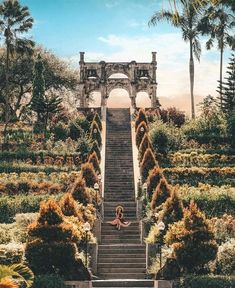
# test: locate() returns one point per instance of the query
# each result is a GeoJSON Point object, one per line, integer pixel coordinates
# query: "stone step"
{"type": "Point", "coordinates": [121, 270]}
{"type": "Point", "coordinates": [107, 260]}
{"type": "Point", "coordinates": [123, 283]}
{"type": "Point", "coordinates": [122, 275]}
{"type": "Point", "coordinates": [122, 256]}
{"type": "Point", "coordinates": [121, 265]}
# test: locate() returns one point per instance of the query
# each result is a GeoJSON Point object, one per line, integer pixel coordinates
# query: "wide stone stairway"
{"type": "Point", "coordinates": [121, 255]}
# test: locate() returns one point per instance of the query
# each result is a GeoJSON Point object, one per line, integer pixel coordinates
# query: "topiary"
{"type": "Point", "coordinates": [172, 209]}
{"type": "Point", "coordinates": [79, 191]}
{"type": "Point", "coordinates": [142, 129]}
{"type": "Point", "coordinates": [192, 240]}
{"type": "Point", "coordinates": [89, 175]}
{"type": "Point", "coordinates": [155, 175]}
{"type": "Point", "coordinates": [98, 120]}
{"type": "Point", "coordinates": [69, 206]}
{"type": "Point", "coordinates": [148, 163]}
{"type": "Point", "coordinates": [144, 145]}
{"type": "Point", "coordinates": [141, 116]}
{"type": "Point", "coordinates": [161, 193]}
{"type": "Point", "coordinates": [54, 249]}
{"type": "Point", "coordinates": [93, 159]}
{"type": "Point", "coordinates": [95, 134]}
{"type": "Point", "coordinates": [95, 148]}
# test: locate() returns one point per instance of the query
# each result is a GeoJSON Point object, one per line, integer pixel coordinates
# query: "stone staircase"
{"type": "Point", "coordinates": [121, 254]}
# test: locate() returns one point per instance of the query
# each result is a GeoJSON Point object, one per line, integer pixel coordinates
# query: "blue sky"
{"type": "Point", "coordinates": [117, 30]}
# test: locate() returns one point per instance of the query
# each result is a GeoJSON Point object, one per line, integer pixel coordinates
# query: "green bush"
{"type": "Point", "coordinates": [48, 281]}
{"type": "Point", "coordinates": [60, 131]}
{"type": "Point", "coordinates": [10, 206]}
{"type": "Point", "coordinates": [165, 137]}
{"type": "Point", "coordinates": [213, 200]}
{"type": "Point", "coordinates": [11, 253]}
{"type": "Point", "coordinates": [192, 240]}
{"type": "Point", "coordinates": [208, 281]}
{"type": "Point", "coordinates": [84, 146]}
{"type": "Point", "coordinates": [78, 127]}
{"type": "Point", "coordinates": [95, 148]}
{"type": "Point", "coordinates": [225, 261]}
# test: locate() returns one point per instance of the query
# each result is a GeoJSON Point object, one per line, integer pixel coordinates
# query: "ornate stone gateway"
{"type": "Point", "coordinates": [96, 76]}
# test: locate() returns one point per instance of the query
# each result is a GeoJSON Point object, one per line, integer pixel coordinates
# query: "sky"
{"type": "Point", "coordinates": [117, 30]}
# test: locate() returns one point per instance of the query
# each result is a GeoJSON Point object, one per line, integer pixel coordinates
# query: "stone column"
{"type": "Point", "coordinates": [82, 96]}
{"type": "Point", "coordinates": [154, 101]}
{"type": "Point", "coordinates": [133, 96]}
{"type": "Point", "coordinates": [103, 95]}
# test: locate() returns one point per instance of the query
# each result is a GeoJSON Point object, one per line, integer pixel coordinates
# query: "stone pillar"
{"type": "Point", "coordinates": [82, 96]}
{"type": "Point", "coordinates": [154, 99]}
{"type": "Point", "coordinates": [133, 96]}
{"type": "Point", "coordinates": [103, 95]}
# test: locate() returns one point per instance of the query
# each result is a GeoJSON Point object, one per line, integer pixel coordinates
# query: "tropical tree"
{"type": "Point", "coordinates": [187, 19]}
{"type": "Point", "coordinates": [11, 275]}
{"type": "Point", "coordinates": [15, 20]}
{"type": "Point", "coordinates": [219, 22]}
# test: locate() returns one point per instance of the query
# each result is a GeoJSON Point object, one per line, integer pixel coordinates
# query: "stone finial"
{"type": "Point", "coordinates": [154, 56]}
{"type": "Point", "coordinates": [82, 57]}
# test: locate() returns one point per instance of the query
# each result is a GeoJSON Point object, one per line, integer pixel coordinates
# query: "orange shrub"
{"type": "Point", "coordinates": [93, 159]}
{"type": "Point", "coordinates": [140, 134]}
{"type": "Point", "coordinates": [69, 206]}
{"type": "Point", "coordinates": [79, 191]}
{"type": "Point", "coordinates": [95, 134]}
{"type": "Point", "coordinates": [144, 145]}
{"type": "Point", "coordinates": [140, 117]}
{"type": "Point", "coordinates": [89, 175]}
{"type": "Point", "coordinates": [161, 193]}
{"type": "Point", "coordinates": [155, 175]}
{"type": "Point", "coordinates": [148, 163]}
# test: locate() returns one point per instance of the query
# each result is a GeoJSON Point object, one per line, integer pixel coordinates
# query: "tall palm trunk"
{"type": "Point", "coordinates": [191, 73]}
{"type": "Point", "coordinates": [221, 69]}
{"type": "Point", "coordinates": [7, 107]}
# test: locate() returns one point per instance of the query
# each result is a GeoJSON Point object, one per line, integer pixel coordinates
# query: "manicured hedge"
{"type": "Point", "coordinates": [195, 175]}
{"type": "Point", "coordinates": [10, 206]}
{"type": "Point", "coordinates": [208, 281]}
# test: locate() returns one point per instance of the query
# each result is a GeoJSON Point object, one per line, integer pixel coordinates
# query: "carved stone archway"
{"type": "Point", "coordinates": [95, 76]}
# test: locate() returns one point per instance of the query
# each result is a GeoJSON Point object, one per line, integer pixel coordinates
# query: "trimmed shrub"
{"type": "Point", "coordinates": [48, 281]}
{"type": "Point", "coordinates": [161, 193]}
{"type": "Point", "coordinates": [140, 134]}
{"type": "Point", "coordinates": [95, 134]}
{"type": "Point", "coordinates": [140, 117]}
{"type": "Point", "coordinates": [225, 261]}
{"type": "Point", "coordinates": [10, 206]}
{"type": "Point", "coordinates": [89, 175]}
{"type": "Point", "coordinates": [79, 191]}
{"type": "Point", "coordinates": [95, 148]}
{"type": "Point", "coordinates": [172, 209]}
{"type": "Point", "coordinates": [192, 240]}
{"type": "Point", "coordinates": [69, 206]}
{"type": "Point", "coordinates": [11, 253]}
{"type": "Point", "coordinates": [148, 163]}
{"type": "Point", "coordinates": [98, 120]}
{"type": "Point", "coordinates": [144, 145]}
{"type": "Point", "coordinates": [155, 175]}
{"type": "Point", "coordinates": [54, 249]}
{"type": "Point", "coordinates": [93, 159]}
{"type": "Point", "coordinates": [84, 146]}
{"type": "Point", "coordinates": [208, 281]}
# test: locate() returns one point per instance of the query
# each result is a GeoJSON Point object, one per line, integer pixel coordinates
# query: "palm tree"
{"type": "Point", "coordinates": [188, 21]}
{"type": "Point", "coordinates": [219, 23]}
{"type": "Point", "coordinates": [14, 20]}
{"type": "Point", "coordinates": [10, 275]}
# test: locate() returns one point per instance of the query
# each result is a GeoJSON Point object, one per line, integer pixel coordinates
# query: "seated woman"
{"type": "Point", "coordinates": [119, 221]}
